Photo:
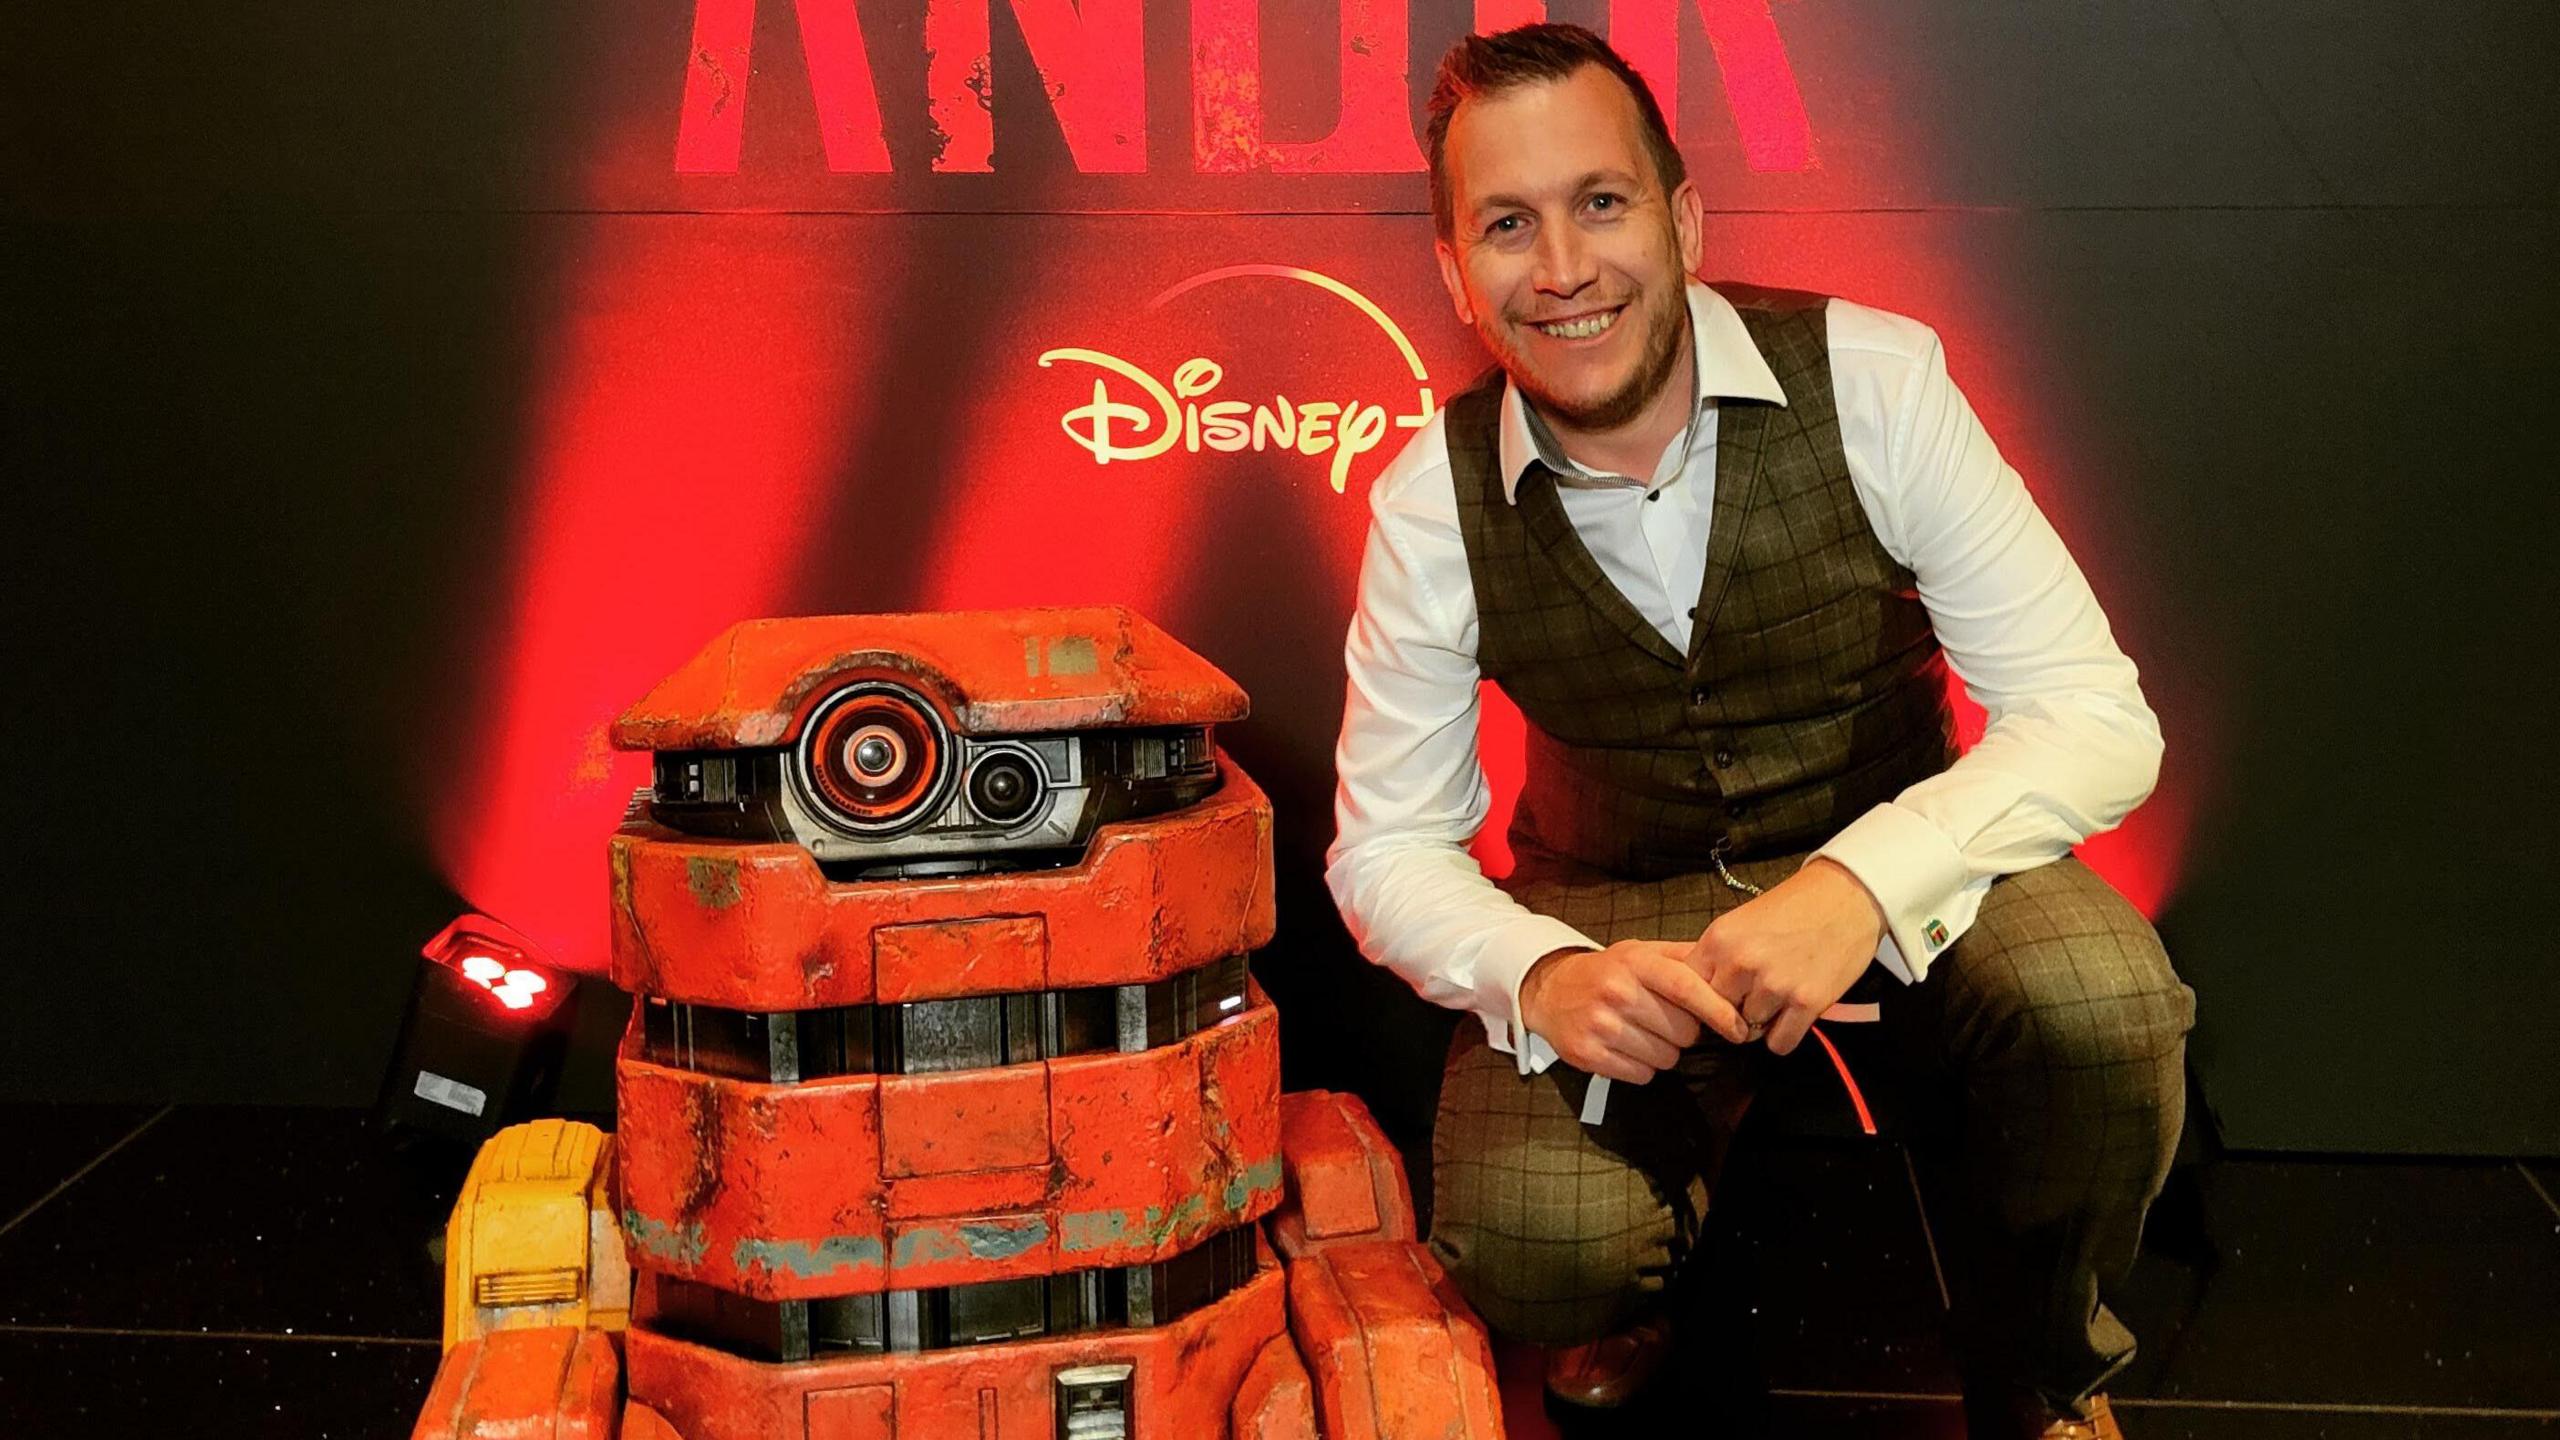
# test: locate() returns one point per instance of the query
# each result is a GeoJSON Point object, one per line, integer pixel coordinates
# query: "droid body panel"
{"type": "Point", "coordinates": [949, 1105]}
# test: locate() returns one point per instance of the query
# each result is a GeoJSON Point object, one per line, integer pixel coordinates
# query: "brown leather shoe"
{"type": "Point", "coordinates": [1606, 1373]}
{"type": "Point", "coordinates": [2038, 1420]}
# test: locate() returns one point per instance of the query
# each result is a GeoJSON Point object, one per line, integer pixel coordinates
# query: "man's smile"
{"type": "Point", "coordinates": [1585, 326]}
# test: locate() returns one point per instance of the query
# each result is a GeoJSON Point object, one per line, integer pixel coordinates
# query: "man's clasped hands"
{"type": "Point", "coordinates": [1768, 968]}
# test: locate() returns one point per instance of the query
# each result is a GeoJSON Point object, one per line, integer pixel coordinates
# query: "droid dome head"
{"type": "Point", "coordinates": [911, 745]}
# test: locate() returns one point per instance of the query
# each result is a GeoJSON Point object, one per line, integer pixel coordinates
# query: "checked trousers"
{"type": "Point", "coordinates": [2041, 1058]}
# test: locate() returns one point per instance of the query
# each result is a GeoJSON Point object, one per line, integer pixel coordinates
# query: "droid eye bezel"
{"type": "Point", "coordinates": [921, 803]}
{"type": "Point", "coordinates": [1044, 786]}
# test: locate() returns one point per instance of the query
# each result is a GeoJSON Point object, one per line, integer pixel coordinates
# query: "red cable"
{"type": "Point", "coordinates": [1866, 1121]}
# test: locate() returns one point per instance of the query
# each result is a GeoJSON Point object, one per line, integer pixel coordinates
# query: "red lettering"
{"type": "Point", "coordinates": [1090, 57]}
{"type": "Point", "coordinates": [1092, 64]}
{"type": "Point", "coordinates": [713, 123]}
{"type": "Point", "coordinates": [1759, 84]}
{"type": "Point", "coordinates": [711, 129]}
{"type": "Point", "coordinates": [1226, 85]}
{"type": "Point", "coordinates": [840, 81]}
{"type": "Point", "coordinates": [1373, 133]}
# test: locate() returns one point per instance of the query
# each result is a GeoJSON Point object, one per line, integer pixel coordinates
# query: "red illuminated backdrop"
{"type": "Point", "coordinates": [842, 403]}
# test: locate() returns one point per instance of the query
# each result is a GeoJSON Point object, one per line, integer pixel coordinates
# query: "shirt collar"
{"type": "Point", "coordinates": [1728, 364]}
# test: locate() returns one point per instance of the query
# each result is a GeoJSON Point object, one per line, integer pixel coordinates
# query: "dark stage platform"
{"type": "Point", "coordinates": [265, 1272]}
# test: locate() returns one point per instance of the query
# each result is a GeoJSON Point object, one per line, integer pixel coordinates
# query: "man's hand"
{"type": "Point", "coordinates": [1624, 1012]}
{"type": "Point", "coordinates": [1782, 958]}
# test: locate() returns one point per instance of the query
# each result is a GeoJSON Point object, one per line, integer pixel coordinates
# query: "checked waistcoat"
{"type": "Point", "coordinates": [1814, 687]}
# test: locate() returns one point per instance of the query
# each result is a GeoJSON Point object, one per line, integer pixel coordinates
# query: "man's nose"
{"type": "Point", "coordinates": [1564, 262]}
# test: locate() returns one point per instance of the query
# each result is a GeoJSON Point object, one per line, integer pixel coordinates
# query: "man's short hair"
{"type": "Point", "coordinates": [1480, 65]}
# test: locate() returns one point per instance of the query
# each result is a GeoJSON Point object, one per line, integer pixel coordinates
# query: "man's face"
{"type": "Point", "coordinates": [1564, 253]}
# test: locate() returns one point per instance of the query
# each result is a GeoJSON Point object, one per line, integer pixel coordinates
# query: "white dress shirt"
{"type": "Point", "coordinates": [2070, 748]}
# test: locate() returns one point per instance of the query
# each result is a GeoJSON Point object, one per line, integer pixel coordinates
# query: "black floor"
{"type": "Point", "coordinates": [209, 1273]}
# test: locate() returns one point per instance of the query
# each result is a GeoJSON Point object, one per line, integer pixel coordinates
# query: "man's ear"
{"type": "Point", "coordinates": [1454, 280]}
{"type": "Point", "coordinates": [1689, 221]}
{"type": "Point", "coordinates": [1690, 224]}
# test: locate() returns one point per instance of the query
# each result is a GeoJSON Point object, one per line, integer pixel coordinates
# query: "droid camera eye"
{"type": "Point", "coordinates": [1005, 787]}
{"type": "Point", "coordinates": [877, 755]}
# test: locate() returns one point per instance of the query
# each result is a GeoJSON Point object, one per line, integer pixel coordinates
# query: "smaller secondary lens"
{"type": "Point", "coordinates": [1004, 788]}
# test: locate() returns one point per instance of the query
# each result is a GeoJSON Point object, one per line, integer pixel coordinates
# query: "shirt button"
{"type": "Point", "coordinates": [1724, 758]}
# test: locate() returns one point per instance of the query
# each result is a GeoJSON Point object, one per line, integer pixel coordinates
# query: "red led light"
{"type": "Point", "coordinates": [499, 960]}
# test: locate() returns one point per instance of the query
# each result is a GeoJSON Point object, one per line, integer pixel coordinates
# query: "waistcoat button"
{"type": "Point", "coordinates": [1723, 758]}
{"type": "Point", "coordinates": [1698, 695]}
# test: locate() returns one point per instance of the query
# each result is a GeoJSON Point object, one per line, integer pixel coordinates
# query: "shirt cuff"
{"type": "Point", "coordinates": [1504, 963]}
{"type": "Point", "coordinates": [1917, 876]}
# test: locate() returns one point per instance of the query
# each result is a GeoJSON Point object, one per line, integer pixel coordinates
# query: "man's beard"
{"type": "Point", "coordinates": [1668, 318]}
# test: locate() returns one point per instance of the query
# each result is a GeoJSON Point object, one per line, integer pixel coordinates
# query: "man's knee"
{"type": "Point", "coordinates": [1557, 1289]}
{"type": "Point", "coordinates": [1554, 1233]}
{"type": "Point", "coordinates": [1554, 1244]}
{"type": "Point", "coordinates": [2067, 973]}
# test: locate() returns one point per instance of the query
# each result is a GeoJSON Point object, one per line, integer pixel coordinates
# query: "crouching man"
{"type": "Point", "coordinates": [1721, 546]}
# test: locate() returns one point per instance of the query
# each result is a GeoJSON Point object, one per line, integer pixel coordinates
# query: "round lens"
{"type": "Point", "coordinates": [876, 755]}
{"type": "Point", "coordinates": [1003, 788]}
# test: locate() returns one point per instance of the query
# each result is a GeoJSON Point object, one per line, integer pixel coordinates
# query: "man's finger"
{"type": "Point", "coordinates": [1788, 1030]}
{"type": "Point", "coordinates": [1710, 958]}
{"type": "Point", "coordinates": [1636, 1043]}
{"type": "Point", "coordinates": [1616, 1067]}
{"type": "Point", "coordinates": [1733, 983]}
{"type": "Point", "coordinates": [1667, 1021]}
{"type": "Point", "coordinates": [1684, 987]}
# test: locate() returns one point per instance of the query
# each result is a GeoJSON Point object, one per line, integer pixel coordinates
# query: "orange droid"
{"type": "Point", "coordinates": [949, 1107]}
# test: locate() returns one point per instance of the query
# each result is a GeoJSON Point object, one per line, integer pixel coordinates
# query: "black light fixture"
{"type": "Point", "coordinates": [485, 1035]}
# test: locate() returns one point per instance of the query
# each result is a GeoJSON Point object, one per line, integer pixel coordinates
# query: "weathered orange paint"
{"type": "Point", "coordinates": [1009, 671]}
{"type": "Point", "coordinates": [1185, 1375]}
{"type": "Point", "coordinates": [976, 1193]}
{"type": "Point", "coordinates": [962, 1123]}
{"type": "Point", "coordinates": [1155, 1153]}
{"type": "Point", "coordinates": [639, 1422]}
{"type": "Point", "coordinates": [854, 1412]}
{"type": "Point", "coordinates": [555, 1383]}
{"type": "Point", "coordinates": [944, 958]}
{"type": "Point", "coordinates": [781, 1191]}
{"type": "Point", "coordinates": [698, 1160]}
{"type": "Point", "coordinates": [1344, 1180]}
{"type": "Point", "coordinates": [1276, 1401]}
{"type": "Point", "coordinates": [755, 926]}
{"type": "Point", "coordinates": [1392, 1348]}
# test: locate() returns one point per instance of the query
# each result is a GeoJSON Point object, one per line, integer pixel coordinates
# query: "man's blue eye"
{"type": "Point", "coordinates": [1605, 200]}
{"type": "Point", "coordinates": [1502, 226]}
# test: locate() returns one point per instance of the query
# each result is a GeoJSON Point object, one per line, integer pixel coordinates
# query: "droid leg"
{"type": "Point", "coordinates": [556, 1383]}
{"type": "Point", "coordinates": [1390, 1347]}
{"type": "Point", "coordinates": [536, 1293]}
